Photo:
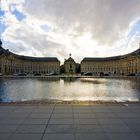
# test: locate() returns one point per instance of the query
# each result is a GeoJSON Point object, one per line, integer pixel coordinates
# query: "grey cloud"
{"type": "Point", "coordinates": [25, 40]}
{"type": "Point", "coordinates": [105, 19]}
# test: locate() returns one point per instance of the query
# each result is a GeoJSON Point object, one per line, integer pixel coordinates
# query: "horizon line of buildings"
{"type": "Point", "coordinates": [11, 63]}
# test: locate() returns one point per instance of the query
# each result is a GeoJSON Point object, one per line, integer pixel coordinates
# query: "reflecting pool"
{"type": "Point", "coordinates": [85, 89]}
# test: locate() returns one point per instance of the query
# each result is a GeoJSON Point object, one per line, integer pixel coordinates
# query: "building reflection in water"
{"type": "Point", "coordinates": [54, 88]}
{"type": "Point", "coordinates": [69, 79]}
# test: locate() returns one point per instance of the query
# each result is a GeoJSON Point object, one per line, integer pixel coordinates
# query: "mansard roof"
{"type": "Point", "coordinates": [88, 59]}
{"type": "Point", "coordinates": [38, 59]}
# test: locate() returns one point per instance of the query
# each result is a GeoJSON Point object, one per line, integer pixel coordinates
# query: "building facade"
{"type": "Point", "coordinates": [70, 65]}
{"type": "Point", "coordinates": [11, 64]}
{"type": "Point", "coordinates": [128, 64]}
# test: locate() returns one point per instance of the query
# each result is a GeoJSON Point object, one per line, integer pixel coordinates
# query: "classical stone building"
{"type": "Point", "coordinates": [11, 63]}
{"type": "Point", "coordinates": [70, 65]}
{"type": "Point", "coordinates": [128, 64]}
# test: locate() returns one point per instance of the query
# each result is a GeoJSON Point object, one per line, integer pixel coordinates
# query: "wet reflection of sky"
{"type": "Point", "coordinates": [105, 89]}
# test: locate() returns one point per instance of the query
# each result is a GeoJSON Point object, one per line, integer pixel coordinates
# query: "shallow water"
{"type": "Point", "coordinates": [104, 89]}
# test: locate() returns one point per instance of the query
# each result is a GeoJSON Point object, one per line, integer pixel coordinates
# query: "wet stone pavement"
{"type": "Point", "coordinates": [70, 122]}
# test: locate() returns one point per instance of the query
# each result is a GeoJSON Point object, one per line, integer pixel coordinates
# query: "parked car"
{"type": "Point", "coordinates": [15, 74]}
{"type": "Point", "coordinates": [22, 74]}
{"type": "Point", "coordinates": [106, 74]}
{"type": "Point", "coordinates": [37, 74]}
{"type": "Point", "coordinates": [52, 73]}
{"type": "Point", "coordinates": [131, 74]}
{"type": "Point", "coordinates": [88, 74]}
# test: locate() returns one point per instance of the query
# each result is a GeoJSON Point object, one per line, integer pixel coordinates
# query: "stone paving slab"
{"type": "Point", "coordinates": [61, 121]}
{"type": "Point", "coordinates": [88, 129]}
{"type": "Point", "coordinates": [35, 121]}
{"type": "Point", "coordinates": [39, 115]}
{"type": "Point", "coordinates": [122, 136]}
{"type": "Point", "coordinates": [84, 116]}
{"type": "Point", "coordinates": [7, 128]}
{"type": "Point", "coordinates": [70, 122]}
{"type": "Point", "coordinates": [58, 137]}
{"type": "Point", "coordinates": [62, 116]}
{"type": "Point", "coordinates": [110, 121]}
{"type": "Point", "coordinates": [5, 136]}
{"type": "Point", "coordinates": [117, 128]}
{"type": "Point", "coordinates": [98, 136]}
{"type": "Point", "coordinates": [9, 121]}
{"type": "Point", "coordinates": [85, 121]}
{"type": "Point", "coordinates": [105, 115]}
{"type": "Point", "coordinates": [26, 137]}
{"type": "Point", "coordinates": [61, 128]}
{"type": "Point", "coordinates": [30, 128]}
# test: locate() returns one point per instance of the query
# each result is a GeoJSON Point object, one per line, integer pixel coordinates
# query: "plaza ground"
{"type": "Point", "coordinates": [70, 121]}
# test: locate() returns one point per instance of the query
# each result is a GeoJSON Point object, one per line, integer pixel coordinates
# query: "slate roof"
{"type": "Point", "coordinates": [38, 59]}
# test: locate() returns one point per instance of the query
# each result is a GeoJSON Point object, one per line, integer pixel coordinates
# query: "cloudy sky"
{"type": "Point", "coordinates": [85, 28]}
